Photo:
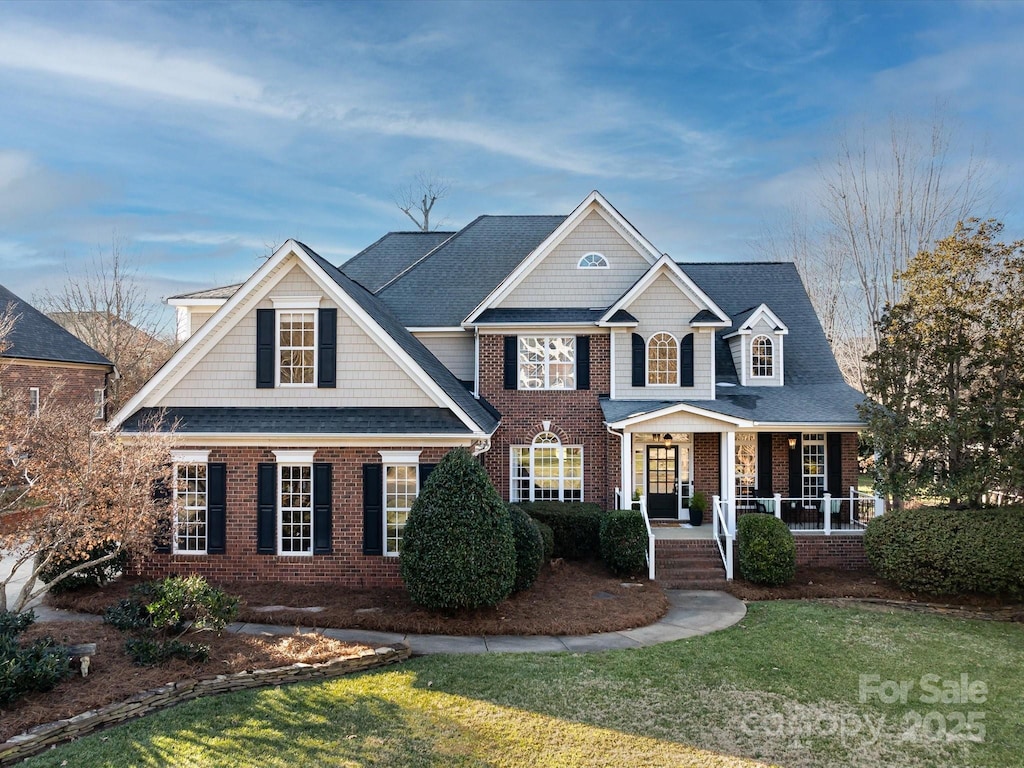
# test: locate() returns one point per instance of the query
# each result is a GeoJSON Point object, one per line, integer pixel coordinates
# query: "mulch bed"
{"type": "Point", "coordinates": [569, 598]}
{"type": "Point", "coordinates": [114, 677]}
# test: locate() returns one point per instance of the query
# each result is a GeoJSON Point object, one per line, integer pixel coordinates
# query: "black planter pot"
{"type": "Point", "coordinates": [696, 516]}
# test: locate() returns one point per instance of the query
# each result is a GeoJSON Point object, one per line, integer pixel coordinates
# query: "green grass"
{"type": "Point", "coordinates": [767, 691]}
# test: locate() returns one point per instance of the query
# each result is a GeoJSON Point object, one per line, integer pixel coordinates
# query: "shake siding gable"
{"type": "Point", "coordinates": [456, 352]}
{"type": "Point", "coordinates": [557, 282]}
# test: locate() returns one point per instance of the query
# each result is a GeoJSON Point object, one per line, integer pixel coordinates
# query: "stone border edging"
{"type": "Point", "coordinates": [42, 737]}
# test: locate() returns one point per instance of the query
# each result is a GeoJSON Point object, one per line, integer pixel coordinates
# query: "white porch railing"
{"type": "Point", "coordinates": [641, 505]}
{"type": "Point", "coordinates": [824, 514]}
{"type": "Point", "coordinates": [723, 522]}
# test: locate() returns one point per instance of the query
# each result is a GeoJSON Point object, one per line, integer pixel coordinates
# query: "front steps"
{"type": "Point", "coordinates": [688, 564]}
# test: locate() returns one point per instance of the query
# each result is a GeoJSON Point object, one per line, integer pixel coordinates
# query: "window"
{"type": "Point", "coordinates": [547, 470]}
{"type": "Point", "coordinates": [547, 362]}
{"type": "Point", "coordinates": [296, 351]}
{"type": "Point", "coordinates": [593, 261]}
{"type": "Point", "coordinates": [295, 509]}
{"type": "Point", "coordinates": [746, 465]}
{"type": "Point", "coordinates": [33, 401]}
{"type": "Point", "coordinates": [401, 486]}
{"type": "Point", "coordinates": [813, 465]}
{"type": "Point", "coordinates": [98, 403]}
{"type": "Point", "coordinates": [190, 508]}
{"type": "Point", "coordinates": [662, 359]}
{"type": "Point", "coordinates": [762, 357]}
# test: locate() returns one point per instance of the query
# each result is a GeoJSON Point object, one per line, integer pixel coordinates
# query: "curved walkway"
{"type": "Point", "coordinates": [693, 613]}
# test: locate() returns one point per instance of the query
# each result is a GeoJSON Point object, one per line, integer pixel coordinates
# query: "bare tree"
{"type": "Point", "coordinates": [417, 200]}
{"type": "Point", "coordinates": [108, 309]}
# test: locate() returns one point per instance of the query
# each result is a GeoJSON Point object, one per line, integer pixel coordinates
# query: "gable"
{"type": "Point", "coordinates": [557, 280]}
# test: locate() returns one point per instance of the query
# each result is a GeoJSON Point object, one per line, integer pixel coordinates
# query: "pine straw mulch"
{"type": "Point", "coordinates": [568, 598]}
{"type": "Point", "coordinates": [113, 677]}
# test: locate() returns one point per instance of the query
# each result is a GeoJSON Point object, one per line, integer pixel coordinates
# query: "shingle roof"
{"type": "Point", "coordinates": [378, 264]}
{"type": "Point", "coordinates": [442, 290]}
{"type": "Point", "coordinates": [222, 292]}
{"type": "Point", "coordinates": [37, 337]}
{"type": "Point", "coordinates": [589, 316]}
{"type": "Point", "coordinates": [478, 410]}
{"type": "Point", "coordinates": [315, 421]}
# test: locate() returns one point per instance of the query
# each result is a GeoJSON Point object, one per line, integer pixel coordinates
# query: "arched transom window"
{"type": "Point", "coordinates": [547, 470]}
{"type": "Point", "coordinates": [593, 261]}
{"type": "Point", "coordinates": [762, 356]}
{"type": "Point", "coordinates": [662, 359]}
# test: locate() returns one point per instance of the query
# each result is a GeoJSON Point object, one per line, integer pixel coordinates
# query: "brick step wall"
{"type": "Point", "coordinates": [688, 564]}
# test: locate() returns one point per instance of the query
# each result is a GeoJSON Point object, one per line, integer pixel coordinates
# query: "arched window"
{"type": "Point", "coordinates": [662, 359]}
{"type": "Point", "coordinates": [547, 470]}
{"type": "Point", "coordinates": [593, 261]}
{"type": "Point", "coordinates": [762, 357]}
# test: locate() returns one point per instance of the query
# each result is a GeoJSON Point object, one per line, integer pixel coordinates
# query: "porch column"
{"type": "Point", "coordinates": [626, 468]}
{"type": "Point", "coordinates": [727, 463]}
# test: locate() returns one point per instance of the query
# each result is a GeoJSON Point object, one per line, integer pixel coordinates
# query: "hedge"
{"type": "Point", "coordinates": [767, 552]}
{"type": "Point", "coordinates": [529, 548]}
{"type": "Point", "coordinates": [575, 525]}
{"type": "Point", "coordinates": [948, 552]}
{"type": "Point", "coordinates": [547, 536]}
{"type": "Point", "coordinates": [624, 542]}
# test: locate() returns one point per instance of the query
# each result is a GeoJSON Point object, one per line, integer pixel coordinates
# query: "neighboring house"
{"type": "Point", "coordinates": [571, 355]}
{"type": "Point", "coordinates": [40, 355]}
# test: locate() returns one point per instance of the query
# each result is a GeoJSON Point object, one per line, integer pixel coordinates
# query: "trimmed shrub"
{"type": "Point", "coordinates": [38, 666]}
{"type": "Point", "coordinates": [767, 551]}
{"type": "Point", "coordinates": [548, 537]}
{"type": "Point", "coordinates": [529, 548]}
{"type": "Point", "coordinates": [624, 542]}
{"type": "Point", "coordinates": [457, 547]}
{"type": "Point", "coordinates": [148, 652]}
{"type": "Point", "coordinates": [93, 576]}
{"type": "Point", "coordinates": [948, 552]}
{"type": "Point", "coordinates": [576, 526]}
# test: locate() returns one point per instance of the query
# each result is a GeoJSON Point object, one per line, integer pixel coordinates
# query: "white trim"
{"type": "Point", "coordinates": [296, 302]}
{"type": "Point", "coordinates": [441, 330]}
{"type": "Point", "coordinates": [535, 328]}
{"type": "Point", "coordinates": [680, 408]}
{"type": "Point", "coordinates": [771, 349]}
{"type": "Point", "coordinates": [179, 456]}
{"type": "Point", "coordinates": [400, 457]}
{"type": "Point", "coordinates": [294, 457]}
{"type": "Point", "coordinates": [194, 302]}
{"type": "Point", "coordinates": [174, 495]}
{"type": "Point", "coordinates": [606, 265]}
{"type": "Point", "coordinates": [384, 497]}
{"type": "Point", "coordinates": [611, 365]}
{"type": "Point", "coordinates": [647, 355]}
{"type": "Point", "coordinates": [316, 347]}
{"type": "Point", "coordinates": [341, 440]}
{"type": "Point", "coordinates": [666, 266]}
{"type": "Point", "coordinates": [294, 462]}
{"type": "Point", "coordinates": [595, 201]}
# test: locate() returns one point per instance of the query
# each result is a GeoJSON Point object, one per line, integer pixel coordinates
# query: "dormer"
{"type": "Point", "coordinates": [757, 348]}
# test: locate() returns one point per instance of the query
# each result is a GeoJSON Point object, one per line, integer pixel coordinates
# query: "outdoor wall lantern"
{"type": "Point", "coordinates": [792, 443]}
{"type": "Point", "coordinates": [668, 439]}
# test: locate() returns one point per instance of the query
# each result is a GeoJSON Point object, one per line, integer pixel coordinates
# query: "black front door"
{"type": "Point", "coordinates": [662, 472]}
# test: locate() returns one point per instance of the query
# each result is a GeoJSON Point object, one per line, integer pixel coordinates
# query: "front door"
{"type": "Point", "coordinates": [662, 473]}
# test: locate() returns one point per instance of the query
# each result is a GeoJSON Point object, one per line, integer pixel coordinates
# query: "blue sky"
{"type": "Point", "coordinates": [201, 133]}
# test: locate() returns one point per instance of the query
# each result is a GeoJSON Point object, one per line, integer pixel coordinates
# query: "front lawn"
{"type": "Point", "coordinates": [783, 686]}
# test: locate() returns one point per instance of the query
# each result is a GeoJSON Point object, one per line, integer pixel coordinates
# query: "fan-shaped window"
{"type": "Point", "coordinates": [545, 470]}
{"type": "Point", "coordinates": [762, 357]}
{"type": "Point", "coordinates": [593, 261]}
{"type": "Point", "coordinates": [662, 359]}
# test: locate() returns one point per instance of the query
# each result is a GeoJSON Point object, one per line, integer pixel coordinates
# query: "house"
{"type": "Point", "coordinates": [40, 355]}
{"type": "Point", "coordinates": [573, 357]}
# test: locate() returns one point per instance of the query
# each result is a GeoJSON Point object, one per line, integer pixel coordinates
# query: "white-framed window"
{"type": "Point", "coordinates": [593, 260]}
{"type": "Point", "coordinates": [99, 403]}
{"type": "Point", "coordinates": [762, 357]}
{"type": "Point", "coordinates": [546, 470]}
{"type": "Point", "coordinates": [190, 509]}
{"type": "Point", "coordinates": [401, 487]}
{"type": "Point", "coordinates": [746, 465]}
{"type": "Point", "coordinates": [33, 401]}
{"type": "Point", "coordinates": [662, 359]}
{"type": "Point", "coordinates": [294, 506]}
{"type": "Point", "coordinates": [296, 340]}
{"type": "Point", "coordinates": [547, 362]}
{"type": "Point", "coordinates": [814, 469]}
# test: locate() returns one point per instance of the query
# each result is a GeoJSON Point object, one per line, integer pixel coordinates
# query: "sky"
{"type": "Point", "coordinates": [200, 135]}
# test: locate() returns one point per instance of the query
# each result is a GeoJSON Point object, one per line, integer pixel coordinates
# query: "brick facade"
{"type": "Point", "coordinates": [73, 383]}
{"type": "Point", "coordinates": [706, 466]}
{"type": "Point", "coordinates": [844, 552]}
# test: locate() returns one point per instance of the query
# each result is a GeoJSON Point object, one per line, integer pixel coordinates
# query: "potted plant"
{"type": "Point", "coordinates": [698, 506]}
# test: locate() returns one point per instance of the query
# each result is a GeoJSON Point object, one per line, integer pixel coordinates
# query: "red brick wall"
{"type": "Point", "coordinates": [851, 463]}
{"type": "Point", "coordinates": [74, 384]}
{"type": "Point", "coordinates": [575, 416]}
{"type": "Point", "coordinates": [346, 566]}
{"type": "Point", "coordinates": [706, 473]}
{"type": "Point", "coordinates": [844, 552]}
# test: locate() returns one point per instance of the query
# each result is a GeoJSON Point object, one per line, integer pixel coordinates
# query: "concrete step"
{"type": "Point", "coordinates": [711, 584]}
{"type": "Point", "coordinates": [709, 572]}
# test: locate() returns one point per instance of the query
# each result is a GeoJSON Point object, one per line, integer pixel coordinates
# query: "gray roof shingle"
{"type": "Point", "coordinates": [585, 316]}
{"type": "Point", "coordinates": [221, 292]}
{"type": "Point", "coordinates": [37, 337]}
{"type": "Point", "coordinates": [378, 264]}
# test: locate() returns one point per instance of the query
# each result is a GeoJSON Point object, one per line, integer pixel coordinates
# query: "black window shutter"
{"type": "Point", "coordinates": [796, 469]}
{"type": "Point", "coordinates": [373, 509]}
{"type": "Point", "coordinates": [322, 508]}
{"type": "Point", "coordinates": [764, 464]}
{"type": "Point", "coordinates": [216, 508]}
{"type": "Point", "coordinates": [162, 498]}
{"type": "Point", "coordinates": [511, 362]}
{"type": "Point", "coordinates": [265, 331]}
{"type": "Point", "coordinates": [582, 362]}
{"type": "Point", "coordinates": [834, 462]}
{"type": "Point", "coordinates": [266, 509]}
{"type": "Point", "coordinates": [425, 470]}
{"type": "Point", "coordinates": [686, 361]}
{"type": "Point", "coordinates": [639, 360]}
{"type": "Point", "coordinates": [327, 349]}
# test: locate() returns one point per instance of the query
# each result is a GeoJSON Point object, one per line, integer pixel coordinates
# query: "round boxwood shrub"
{"type": "Point", "coordinates": [576, 526]}
{"type": "Point", "coordinates": [767, 551]}
{"type": "Point", "coordinates": [547, 536]}
{"type": "Point", "coordinates": [946, 552]}
{"type": "Point", "coordinates": [624, 542]}
{"type": "Point", "coordinates": [529, 548]}
{"type": "Point", "coordinates": [457, 547]}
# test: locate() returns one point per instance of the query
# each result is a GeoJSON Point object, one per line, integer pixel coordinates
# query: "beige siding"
{"type": "Point", "coordinates": [226, 375]}
{"type": "Point", "coordinates": [736, 346]}
{"type": "Point", "coordinates": [664, 308]}
{"type": "Point", "coordinates": [456, 352]}
{"type": "Point", "coordinates": [196, 319]}
{"type": "Point", "coordinates": [677, 423]}
{"type": "Point", "coordinates": [558, 282]}
{"type": "Point", "coordinates": [763, 327]}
